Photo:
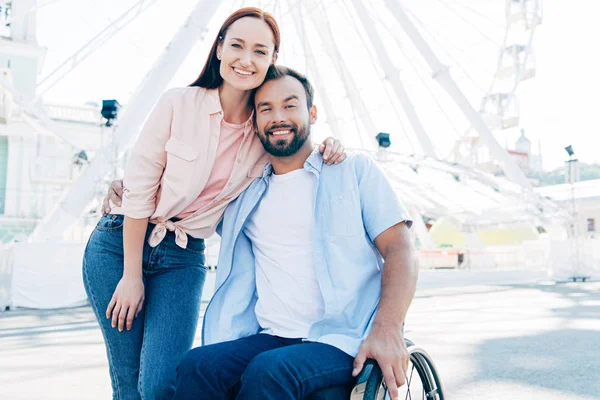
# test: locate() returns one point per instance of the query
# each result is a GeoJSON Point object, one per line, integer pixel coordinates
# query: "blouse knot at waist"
{"type": "Point", "coordinates": [160, 230]}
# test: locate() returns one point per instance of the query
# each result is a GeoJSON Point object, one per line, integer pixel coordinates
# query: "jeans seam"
{"type": "Point", "coordinates": [142, 363]}
{"type": "Point", "coordinates": [231, 386]}
{"type": "Point", "coordinates": [319, 374]}
{"type": "Point", "coordinates": [108, 345]}
{"type": "Point", "coordinates": [112, 229]}
{"type": "Point", "coordinates": [152, 257]}
{"type": "Point", "coordinates": [194, 251]}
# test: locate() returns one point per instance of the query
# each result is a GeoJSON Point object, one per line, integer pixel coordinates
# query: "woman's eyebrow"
{"type": "Point", "coordinates": [257, 44]}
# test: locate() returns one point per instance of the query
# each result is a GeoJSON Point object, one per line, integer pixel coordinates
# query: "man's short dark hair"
{"type": "Point", "coordinates": [277, 72]}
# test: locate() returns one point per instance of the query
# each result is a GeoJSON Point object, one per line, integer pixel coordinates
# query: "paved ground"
{"type": "Point", "coordinates": [538, 341]}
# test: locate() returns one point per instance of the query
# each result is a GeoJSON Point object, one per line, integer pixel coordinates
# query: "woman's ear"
{"type": "Point", "coordinates": [219, 50]}
{"type": "Point", "coordinates": [275, 55]}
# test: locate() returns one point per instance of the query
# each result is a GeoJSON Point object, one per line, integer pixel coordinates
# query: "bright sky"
{"type": "Point", "coordinates": [557, 107]}
{"type": "Point", "coordinates": [560, 106]}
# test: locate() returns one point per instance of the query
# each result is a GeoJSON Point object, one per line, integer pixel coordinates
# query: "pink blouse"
{"type": "Point", "coordinates": [229, 142]}
{"type": "Point", "coordinates": [184, 164]}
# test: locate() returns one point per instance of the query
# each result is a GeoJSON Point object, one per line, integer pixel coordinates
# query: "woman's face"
{"type": "Point", "coordinates": [246, 53]}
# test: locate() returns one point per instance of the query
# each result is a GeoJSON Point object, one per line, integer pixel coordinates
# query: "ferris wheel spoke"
{"type": "Point", "coordinates": [478, 13]}
{"type": "Point", "coordinates": [469, 23]}
{"type": "Point", "coordinates": [418, 71]}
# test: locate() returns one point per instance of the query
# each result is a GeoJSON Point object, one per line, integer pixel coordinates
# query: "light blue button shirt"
{"type": "Point", "coordinates": [354, 203]}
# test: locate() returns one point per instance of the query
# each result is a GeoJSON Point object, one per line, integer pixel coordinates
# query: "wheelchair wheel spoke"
{"type": "Point", "coordinates": [408, 395]}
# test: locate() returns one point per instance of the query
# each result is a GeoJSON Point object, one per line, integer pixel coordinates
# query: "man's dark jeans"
{"type": "Point", "coordinates": [262, 367]}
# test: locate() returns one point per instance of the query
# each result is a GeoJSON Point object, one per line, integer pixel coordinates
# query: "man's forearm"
{"type": "Point", "coordinates": [398, 285]}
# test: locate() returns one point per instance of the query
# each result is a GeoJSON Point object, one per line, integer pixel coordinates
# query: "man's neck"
{"type": "Point", "coordinates": [283, 165]}
{"type": "Point", "coordinates": [235, 104]}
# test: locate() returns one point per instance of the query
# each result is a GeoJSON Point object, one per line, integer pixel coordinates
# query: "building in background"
{"type": "Point", "coordinates": [37, 166]}
{"type": "Point", "coordinates": [524, 156]}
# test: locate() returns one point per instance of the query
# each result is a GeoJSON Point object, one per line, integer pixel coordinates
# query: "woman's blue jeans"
{"type": "Point", "coordinates": [143, 361]}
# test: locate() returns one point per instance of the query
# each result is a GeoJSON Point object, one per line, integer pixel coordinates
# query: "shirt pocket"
{"type": "Point", "coordinates": [181, 149]}
{"type": "Point", "coordinates": [180, 160]}
{"type": "Point", "coordinates": [343, 214]}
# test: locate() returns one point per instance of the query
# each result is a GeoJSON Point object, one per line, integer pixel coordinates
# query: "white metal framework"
{"type": "Point", "coordinates": [155, 82]}
{"type": "Point", "coordinates": [369, 62]}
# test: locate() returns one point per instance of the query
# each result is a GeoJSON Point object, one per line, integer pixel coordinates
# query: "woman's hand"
{"type": "Point", "coordinates": [115, 194]}
{"type": "Point", "coordinates": [332, 150]}
{"type": "Point", "coordinates": [126, 302]}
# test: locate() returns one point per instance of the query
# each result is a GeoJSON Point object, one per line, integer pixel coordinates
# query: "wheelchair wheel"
{"type": "Point", "coordinates": [422, 382]}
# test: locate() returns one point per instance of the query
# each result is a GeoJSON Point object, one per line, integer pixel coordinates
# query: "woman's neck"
{"type": "Point", "coordinates": [235, 104]}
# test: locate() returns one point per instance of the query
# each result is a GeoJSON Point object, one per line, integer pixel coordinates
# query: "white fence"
{"type": "Point", "coordinates": [48, 275]}
{"type": "Point", "coordinates": [562, 259]}
{"type": "Point", "coordinates": [41, 275]}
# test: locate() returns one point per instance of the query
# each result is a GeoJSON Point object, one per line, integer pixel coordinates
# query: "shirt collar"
{"type": "Point", "coordinates": [213, 104]}
{"type": "Point", "coordinates": [314, 162]}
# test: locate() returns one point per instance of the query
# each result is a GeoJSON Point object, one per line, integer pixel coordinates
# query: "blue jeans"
{"type": "Point", "coordinates": [262, 367]}
{"type": "Point", "coordinates": [143, 361]}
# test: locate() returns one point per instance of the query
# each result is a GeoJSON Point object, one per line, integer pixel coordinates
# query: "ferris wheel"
{"type": "Point", "coordinates": [440, 76]}
{"type": "Point", "coordinates": [377, 79]}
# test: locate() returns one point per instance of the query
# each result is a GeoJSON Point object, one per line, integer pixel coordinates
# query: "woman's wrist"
{"type": "Point", "coordinates": [132, 271]}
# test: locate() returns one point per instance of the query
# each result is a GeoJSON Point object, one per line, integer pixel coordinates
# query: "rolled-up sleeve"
{"type": "Point", "coordinates": [147, 161]}
{"type": "Point", "coordinates": [380, 205]}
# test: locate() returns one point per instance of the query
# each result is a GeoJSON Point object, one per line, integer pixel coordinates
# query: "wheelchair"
{"type": "Point", "coordinates": [370, 385]}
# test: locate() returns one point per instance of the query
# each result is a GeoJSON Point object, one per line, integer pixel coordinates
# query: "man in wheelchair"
{"type": "Point", "coordinates": [316, 269]}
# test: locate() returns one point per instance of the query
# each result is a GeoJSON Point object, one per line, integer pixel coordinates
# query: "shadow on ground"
{"type": "Point", "coordinates": [566, 360]}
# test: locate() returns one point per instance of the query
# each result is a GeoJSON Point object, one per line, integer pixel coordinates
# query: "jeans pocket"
{"type": "Point", "coordinates": [195, 246]}
{"type": "Point", "coordinates": [110, 223]}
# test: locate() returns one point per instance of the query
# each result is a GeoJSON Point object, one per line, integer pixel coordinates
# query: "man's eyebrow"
{"type": "Point", "coordinates": [257, 44]}
{"type": "Point", "coordinates": [292, 97]}
{"type": "Point", "coordinates": [263, 103]}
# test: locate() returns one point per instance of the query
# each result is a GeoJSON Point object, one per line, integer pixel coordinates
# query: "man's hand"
{"type": "Point", "coordinates": [115, 193]}
{"type": "Point", "coordinates": [386, 345]}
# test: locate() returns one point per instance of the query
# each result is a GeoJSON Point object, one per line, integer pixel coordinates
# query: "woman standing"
{"type": "Point", "coordinates": [197, 152]}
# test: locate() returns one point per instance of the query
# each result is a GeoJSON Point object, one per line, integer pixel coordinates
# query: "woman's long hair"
{"type": "Point", "coordinates": [210, 77]}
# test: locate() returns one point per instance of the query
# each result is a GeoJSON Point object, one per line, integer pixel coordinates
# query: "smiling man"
{"type": "Point", "coordinates": [316, 269]}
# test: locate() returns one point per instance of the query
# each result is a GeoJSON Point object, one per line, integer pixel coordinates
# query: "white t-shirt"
{"type": "Point", "coordinates": [289, 297]}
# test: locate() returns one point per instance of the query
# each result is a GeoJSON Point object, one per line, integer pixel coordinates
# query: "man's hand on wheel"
{"type": "Point", "coordinates": [386, 345]}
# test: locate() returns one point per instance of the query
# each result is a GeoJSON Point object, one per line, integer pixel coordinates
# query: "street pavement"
{"type": "Point", "coordinates": [520, 341]}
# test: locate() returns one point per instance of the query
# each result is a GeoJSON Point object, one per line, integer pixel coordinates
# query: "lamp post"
{"type": "Point", "coordinates": [573, 176]}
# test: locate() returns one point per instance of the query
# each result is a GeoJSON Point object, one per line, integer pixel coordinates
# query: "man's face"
{"type": "Point", "coordinates": [282, 116]}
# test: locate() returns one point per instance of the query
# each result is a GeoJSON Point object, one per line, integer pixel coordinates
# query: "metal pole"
{"type": "Point", "coordinates": [574, 230]}
{"type": "Point", "coordinates": [394, 77]}
{"type": "Point", "coordinates": [358, 105]}
{"type": "Point", "coordinates": [441, 73]}
{"type": "Point", "coordinates": [312, 71]}
{"type": "Point", "coordinates": [90, 47]}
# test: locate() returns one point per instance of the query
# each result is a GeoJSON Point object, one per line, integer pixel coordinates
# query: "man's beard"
{"type": "Point", "coordinates": [281, 148]}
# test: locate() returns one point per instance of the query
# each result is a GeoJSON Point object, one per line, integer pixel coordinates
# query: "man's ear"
{"type": "Point", "coordinates": [313, 114]}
